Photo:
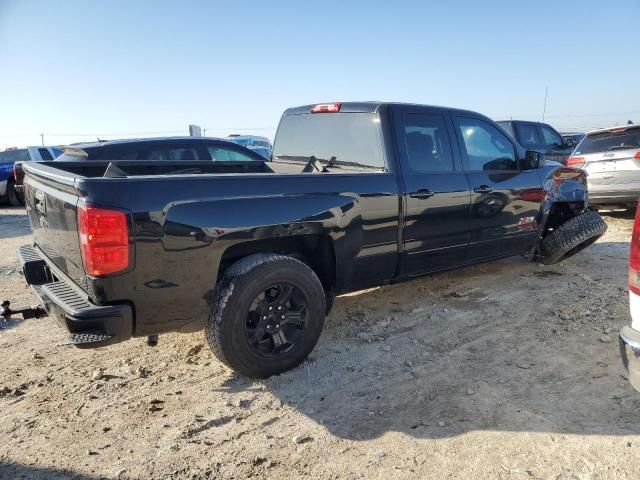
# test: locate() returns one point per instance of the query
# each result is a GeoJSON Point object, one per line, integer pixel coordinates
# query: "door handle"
{"type": "Point", "coordinates": [422, 193]}
{"type": "Point", "coordinates": [483, 189]}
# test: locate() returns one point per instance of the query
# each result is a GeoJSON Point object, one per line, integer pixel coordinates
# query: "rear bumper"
{"type": "Point", "coordinates": [604, 197]}
{"type": "Point", "coordinates": [70, 306]}
{"type": "Point", "coordinates": [630, 353]}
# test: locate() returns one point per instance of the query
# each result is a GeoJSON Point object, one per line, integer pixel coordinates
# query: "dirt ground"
{"type": "Point", "coordinates": [507, 370]}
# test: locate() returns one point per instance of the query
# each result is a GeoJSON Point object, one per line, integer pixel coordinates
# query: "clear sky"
{"type": "Point", "coordinates": [77, 69]}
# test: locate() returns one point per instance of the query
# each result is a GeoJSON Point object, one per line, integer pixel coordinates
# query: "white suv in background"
{"type": "Point", "coordinates": [611, 157]}
{"type": "Point", "coordinates": [630, 335]}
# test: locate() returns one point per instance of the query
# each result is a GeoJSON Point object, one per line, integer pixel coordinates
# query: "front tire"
{"type": "Point", "coordinates": [267, 315]}
{"type": "Point", "coordinates": [572, 237]}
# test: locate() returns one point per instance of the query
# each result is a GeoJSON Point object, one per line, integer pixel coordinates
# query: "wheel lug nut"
{"type": "Point", "coordinates": [268, 327]}
{"type": "Point", "coordinates": [279, 308]}
{"type": "Point", "coordinates": [278, 325]}
{"type": "Point", "coordinates": [282, 317]}
{"type": "Point", "coordinates": [264, 318]}
{"type": "Point", "coordinates": [270, 308]}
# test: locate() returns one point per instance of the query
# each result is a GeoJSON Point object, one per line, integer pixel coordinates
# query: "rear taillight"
{"type": "Point", "coordinates": [326, 108]}
{"type": "Point", "coordinates": [575, 161]}
{"type": "Point", "coordinates": [637, 156]}
{"type": "Point", "coordinates": [104, 240]}
{"type": "Point", "coordinates": [634, 255]}
{"type": "Point", "coordinates": [15, 172]}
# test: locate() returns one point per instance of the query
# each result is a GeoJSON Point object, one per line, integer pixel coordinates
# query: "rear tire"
{"type": "Point", "coordinates": [13, 196]}
{"type": "Point", "coordinates": [243, 329]}
{"type": "Point", "coordinates": [572, 237]}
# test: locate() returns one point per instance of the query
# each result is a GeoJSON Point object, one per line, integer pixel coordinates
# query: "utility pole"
{"type": "Point", "coordinates": [42, 138]}
{"type": "Point", "coordinates": [544, 110]}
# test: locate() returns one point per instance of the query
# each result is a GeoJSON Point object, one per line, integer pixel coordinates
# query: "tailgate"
{"type": "Point", "coordinates": [51, 205]}
{"type": "Point", "coordinates": [620, 167]}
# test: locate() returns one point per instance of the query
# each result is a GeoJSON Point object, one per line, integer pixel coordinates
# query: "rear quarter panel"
{"type": "Point", "coordinates": [182, 228]}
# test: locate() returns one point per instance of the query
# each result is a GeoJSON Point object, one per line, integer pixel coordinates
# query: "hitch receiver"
{"type": "Point", "coordinates": [27, 312]}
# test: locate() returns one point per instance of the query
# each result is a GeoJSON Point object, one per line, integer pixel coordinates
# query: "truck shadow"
{"type": "Point", "coordinates": [508, 346]}
{"type": "Point", "coordinates": [15, 471]}
{"type": "Point", "coordinates": [14, 222]}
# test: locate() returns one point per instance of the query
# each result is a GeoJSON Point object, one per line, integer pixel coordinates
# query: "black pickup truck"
{"type": "Point", "coordinates": [357, 195]}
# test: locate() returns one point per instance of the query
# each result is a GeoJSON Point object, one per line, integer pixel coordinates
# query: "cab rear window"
{"type": "Point", "coordinates": [609, 141]}
{"type": "Point", "coordinates": [339, 141]}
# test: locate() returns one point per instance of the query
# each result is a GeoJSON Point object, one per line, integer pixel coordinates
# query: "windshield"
{"type": "Point", "coordinates": [609, 141]}
{"type": "Point", "coordinates": [337, 140]}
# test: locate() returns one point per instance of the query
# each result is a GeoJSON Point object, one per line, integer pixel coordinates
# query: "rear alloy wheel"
{"type": "Point", "coordinates": [13, 196]}
{"type": "Point", "coordinates": [267, 315]}
{"type": "Point", "coordinates": [572, 237]}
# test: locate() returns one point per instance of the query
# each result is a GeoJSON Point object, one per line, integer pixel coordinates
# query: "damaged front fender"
{"type": "Point", "coordinates": [562, 186]}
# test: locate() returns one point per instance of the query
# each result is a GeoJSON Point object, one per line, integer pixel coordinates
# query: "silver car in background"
{"type": "Point", "coordinates": [611, 157]}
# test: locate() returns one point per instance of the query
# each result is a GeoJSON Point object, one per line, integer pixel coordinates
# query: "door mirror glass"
{"type": "Point", "coordinates": [533, 159]}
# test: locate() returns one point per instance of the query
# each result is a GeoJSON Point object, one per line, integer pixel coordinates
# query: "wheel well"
{"type": "Point", "coordinates": [561, 212]}
{"type": "Point", "coordinates": [316, 251]}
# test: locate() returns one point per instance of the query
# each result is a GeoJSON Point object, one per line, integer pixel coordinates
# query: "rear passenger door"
{"type": "Point", "coordinates": [505, 200]}
{"type": "Point", "coordinates": [436, 192]}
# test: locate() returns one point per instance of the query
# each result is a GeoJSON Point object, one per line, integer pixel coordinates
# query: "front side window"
{"type": "Point", "coordinates": [551, 138]}
{"type": "Point", "coordinates": [426, 143]}
{"type": "Point", "coordinates": [487, 148]}
{"type": "Point", "coordinates": [227, 155]}
{"type": "Point", "coordinates": [529, 136]}
{"type": "Point", "coordinates": [341, 142]}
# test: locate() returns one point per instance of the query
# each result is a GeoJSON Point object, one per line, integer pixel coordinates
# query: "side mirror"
{"type": "Point", "coordinates": [533, 159]}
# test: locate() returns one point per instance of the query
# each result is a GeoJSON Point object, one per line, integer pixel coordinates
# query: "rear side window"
{"type": "Point", "coordinates": [508, 128]}
{"type": "Point", "coordinates": [426, 143]}
{"type": "Point", "coordinates": [45, 154]}
{"type": "Point", "coordinates": [487, 148]}
{"type": "Point", "coordinates": [224, 154]}
{"type": "Point", "coordinates": [609, 141]}
{"type": "Point", "coordinates": [529, 136]}
{"type": "Point", "coordinates": [342, 142]}
{"type": "Point", "coordinates": [173, 154]}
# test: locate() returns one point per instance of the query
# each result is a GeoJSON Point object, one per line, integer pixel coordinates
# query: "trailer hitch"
{"type": "Point", "coordinates": [27, 312]}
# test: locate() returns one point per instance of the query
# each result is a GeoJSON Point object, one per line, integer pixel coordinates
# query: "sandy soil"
{"type": "Point", "coordinates": [507, 370]}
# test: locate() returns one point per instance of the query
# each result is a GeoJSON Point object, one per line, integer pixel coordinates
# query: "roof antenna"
{"type": "Point", "coordinates": [544, 110]}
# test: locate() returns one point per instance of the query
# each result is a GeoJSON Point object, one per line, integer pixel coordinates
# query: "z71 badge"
{"type": "Point", "coordinates": [527, 223]}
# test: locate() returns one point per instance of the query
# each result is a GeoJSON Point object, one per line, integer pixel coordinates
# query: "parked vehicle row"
{"type": "Point", "coordinates": [9, 158]}
{"type": "Point", "coordinates": [356, 195]}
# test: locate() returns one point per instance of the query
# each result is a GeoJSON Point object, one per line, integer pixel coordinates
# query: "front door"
{"type": "Point", "coordinates": [436, 191]}
{"type": "Point", "coordinates": [505, 200]}
{"type": "Point", "coordinates": [555, 147]}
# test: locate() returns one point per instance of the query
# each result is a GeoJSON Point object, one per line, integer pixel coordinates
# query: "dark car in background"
{"type": "Point", "coordinates": [539, 137]}
{"type": "Point", "coordinates": [572, 138]}
{"type": "Point", "coordinates": [160, 149]}
{"type": "Point", "coordinates": [167, 148]}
